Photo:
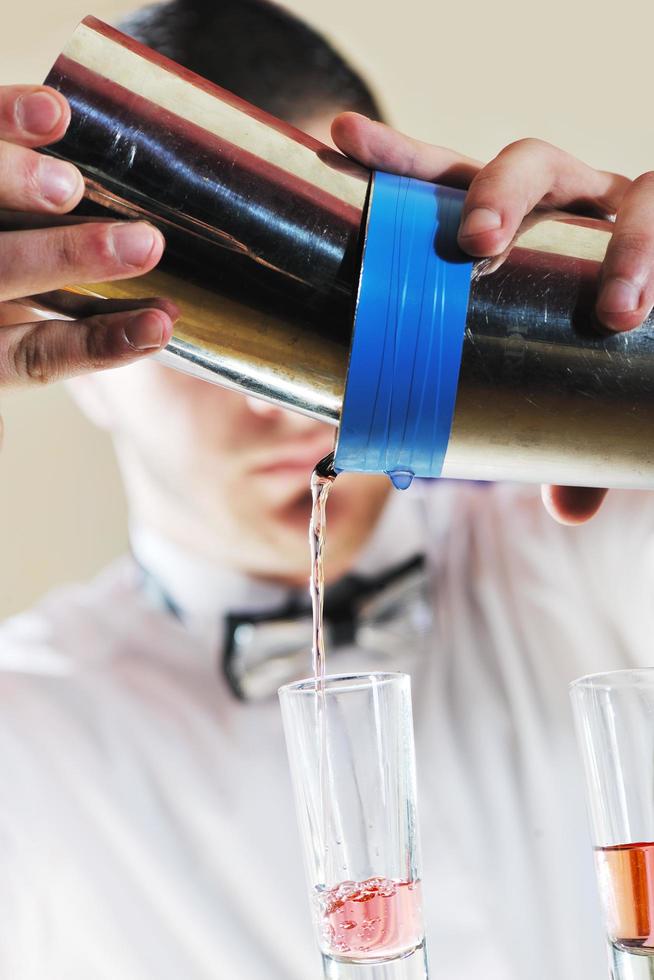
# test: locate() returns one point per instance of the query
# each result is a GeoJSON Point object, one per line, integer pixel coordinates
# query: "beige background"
{"type": "Point", "coordinates": [472, 75]}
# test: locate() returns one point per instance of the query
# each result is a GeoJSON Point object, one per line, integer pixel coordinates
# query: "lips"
{"type": "Point", "coordinates": [293, 463]}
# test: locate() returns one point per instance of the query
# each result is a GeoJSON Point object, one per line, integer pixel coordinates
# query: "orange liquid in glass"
{"type": "Point", "coordinates": [626, 877]}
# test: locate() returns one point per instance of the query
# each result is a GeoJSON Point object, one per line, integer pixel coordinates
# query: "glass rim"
{"type": "Point", "coordinates": [344, 683]}
{"type": "Point", "coordinates": [610, 679]}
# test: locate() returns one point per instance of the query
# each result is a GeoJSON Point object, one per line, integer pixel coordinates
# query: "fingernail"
{"type": "Point", "coordinates": [133, 243]}
{"type": "Point", "coordinates": [38, 113]}
{"type": "Point", "coordinates": [144, 330]}
{"type": "Point", "coordinates": [619, 296]}
{"type": "Point", "coordinates": [58, 182]}
{"type": "Point", "coordinates": [480, 220]}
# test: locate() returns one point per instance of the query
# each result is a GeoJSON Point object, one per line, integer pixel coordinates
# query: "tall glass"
{"type": "Point", "coordinates": [352, 761]}
{"type": "Point", "coordinates": [614, 716]}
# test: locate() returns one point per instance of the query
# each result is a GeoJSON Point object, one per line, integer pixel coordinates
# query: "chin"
{"type": "Point", "coordinates": [275, 539]}
{"type": "Point", "coordinates": [343, 540]}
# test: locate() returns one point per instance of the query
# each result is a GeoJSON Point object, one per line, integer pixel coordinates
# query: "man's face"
{"type": "Point", "coordinates": [228, 475]}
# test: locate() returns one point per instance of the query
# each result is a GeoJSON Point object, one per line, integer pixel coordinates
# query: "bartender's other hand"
{"type": "Point", "coordinates": [524, 175]}
{"type": "Point", "coordinates": [37, 260]}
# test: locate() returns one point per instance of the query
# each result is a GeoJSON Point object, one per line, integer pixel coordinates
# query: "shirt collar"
{"type": "Point", "coordinates": [204, 592]}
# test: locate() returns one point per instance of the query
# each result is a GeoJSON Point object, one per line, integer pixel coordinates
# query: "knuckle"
{"type": "Point", "coordinates": [485, 183]}
{"type": "Point", "coordinates": [49, 352]}
{"type": "Point", "coordinates": [30, 177]}
{"type": "Point", "coordinates": [8, 101]}
{"type": "Point", "coordinates": [550, 159]}
{"type": "Point", "coordinates": [645, 181]}
{"type": "Point", "coordinates": [94, 344]}
{"type": "Point", "coordinates": [509, 163]}
{"type": "Point", "coordinates": [632, 243]}
{"type": "Point", "coordinates": [69, 251]}
{"type": "Point", "coordinates": [534, 147]}
{"type": "Point", "coordinates": [530, 143]}
{"type": "Point", "coordinates": [85, 248]}
{"type": "Point", "coordinates": [609, 202]}
{"type": "Point", "coordinates": [619, 182]}
{"type": "Point", "coordinates": [32, 359]}
{"type": "Point", "coordinates": [99, 245]}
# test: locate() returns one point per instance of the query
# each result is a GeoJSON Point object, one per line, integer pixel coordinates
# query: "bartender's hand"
{"type": "Point", "coordinates": [523, 176]}
{"type": "Point", "coordinates": [37, 260]}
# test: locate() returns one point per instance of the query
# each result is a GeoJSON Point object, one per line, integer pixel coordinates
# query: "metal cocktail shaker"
{"type": "Point", "coordinates": [303, 281]}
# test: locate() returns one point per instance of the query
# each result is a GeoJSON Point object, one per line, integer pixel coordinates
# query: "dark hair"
{"type": "Point", "coordinates": [256, 50]}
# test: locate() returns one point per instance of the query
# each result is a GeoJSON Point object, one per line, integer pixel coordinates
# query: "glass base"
{"type": "Point", "coordinates": [413, 966]}
{"type": "Point", "coordinates": [631, 966]}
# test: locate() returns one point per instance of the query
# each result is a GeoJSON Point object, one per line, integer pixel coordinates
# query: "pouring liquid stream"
{"type": "Point", "coordinates": [322, 480]}
{"type": "Point", "coordinates": [378, 917]}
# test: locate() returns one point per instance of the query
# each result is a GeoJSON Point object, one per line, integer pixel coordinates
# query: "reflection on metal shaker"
{"type": "Point", "coordinates": [265, 232]}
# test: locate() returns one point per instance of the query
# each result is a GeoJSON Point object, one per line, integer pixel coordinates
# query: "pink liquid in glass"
{"type": "Point", "coordinates": [378, 918]}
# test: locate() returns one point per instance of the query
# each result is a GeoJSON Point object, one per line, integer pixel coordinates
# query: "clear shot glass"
{"type": "Point", "coordinates": [614, 717]}
{"type": "Point", "coordinates": [352, 760]}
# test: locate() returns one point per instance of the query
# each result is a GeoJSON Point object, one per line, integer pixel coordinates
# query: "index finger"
{"type": "Point", "coordinates": [32, 115]}
{"type": "Point", "coordinates": [376, 145]}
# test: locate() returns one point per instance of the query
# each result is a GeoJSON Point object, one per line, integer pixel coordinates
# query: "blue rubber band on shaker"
{"type": "Point", "coordinates": [408, 333]}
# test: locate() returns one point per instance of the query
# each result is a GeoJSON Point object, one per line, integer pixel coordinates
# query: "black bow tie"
{"type": "Point", "coordinates": [385, 614]}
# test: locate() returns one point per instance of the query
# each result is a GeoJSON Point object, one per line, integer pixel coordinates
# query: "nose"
{"type": "Point", "coordinates": [293, 421]}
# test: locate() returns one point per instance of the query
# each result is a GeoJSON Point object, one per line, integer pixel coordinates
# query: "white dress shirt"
{"type": "Point", "coordinates": [147, 827]}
